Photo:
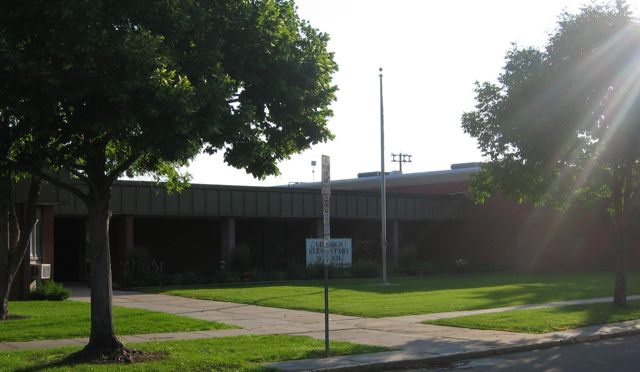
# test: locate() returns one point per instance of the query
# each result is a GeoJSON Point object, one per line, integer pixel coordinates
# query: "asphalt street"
{"type": "Point", "coordinates": [615, 354]}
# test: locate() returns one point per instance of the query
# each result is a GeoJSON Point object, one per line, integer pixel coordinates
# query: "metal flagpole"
{"type": "Point", "coordinates": [383, 194]}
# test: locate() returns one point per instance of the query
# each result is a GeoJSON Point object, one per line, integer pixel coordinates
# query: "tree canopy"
{"type": "Point", "coordinates": [139, 87]}
{"type": "Point", "coordinates": [562, 124]}
{"type": "Point", "coordinates": [153, 80]}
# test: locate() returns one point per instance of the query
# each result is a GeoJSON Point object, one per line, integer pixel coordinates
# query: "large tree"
{"type": "Point", "coordinates": [143, 86]}
{"type": "Point", "coordinates": [15, 226]}
{"type": "Point", "coordinates": [562, 124]}
{"type": "Point", "coordinates": [21, 107]}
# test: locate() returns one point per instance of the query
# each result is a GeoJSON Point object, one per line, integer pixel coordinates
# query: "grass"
{"type": "Point", "coordinates": [414, 295]}
{"type": "Point", "coordinates": [543, 320]}
{"type": "Point", "coordinates": [240, 353]}
{"type": "Point", "coordinates": [67, 319]}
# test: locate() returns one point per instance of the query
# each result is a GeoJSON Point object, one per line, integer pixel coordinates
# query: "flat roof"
{"type": "Point", "coordinates": [396, 179]}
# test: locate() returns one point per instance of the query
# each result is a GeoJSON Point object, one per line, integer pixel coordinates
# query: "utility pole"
{"type": "Point", "coordinates": [400, 158]}
{"type": "Point", "coordinates": [383, 193]}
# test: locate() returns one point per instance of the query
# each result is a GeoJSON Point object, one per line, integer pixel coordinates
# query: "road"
{"type": "Point", "coordinates": [617, 354]}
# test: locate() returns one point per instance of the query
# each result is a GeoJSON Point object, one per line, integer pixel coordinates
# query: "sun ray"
{"type": "Point", "coordinates": [611, 109]}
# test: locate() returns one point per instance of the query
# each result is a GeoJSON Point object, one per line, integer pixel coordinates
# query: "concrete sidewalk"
{"type": "Point", "coordinates": [411, 341]}
{"type": "Point", "coordinates": [455, 346]}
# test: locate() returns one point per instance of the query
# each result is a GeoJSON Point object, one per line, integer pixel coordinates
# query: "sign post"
{"type": "Point", "coordinates": [326, 213]}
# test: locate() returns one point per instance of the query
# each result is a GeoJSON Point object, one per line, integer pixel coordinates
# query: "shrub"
{"type": "Point", "coordinates": [340, 272]}
{"type": "Point", "coordinates": [240, 259]}
{"type": "Point", "coordinates": [430, 267]}
{"type": "Point", "coordinates": [489, 267]}
{"type": "Point", "coordinates": [296, 272]}
{"type": "Point", "coordinates": [366, 269]}
{"type": "Point", "coordinates": [140, 270]}
{"type": "Point", "coordinates": [228, 276]}
{"type": "Point", "coordinates": [187, 277]}
{"type": "Point", "coordinates": [407, 257]}
{"type": "Point", "coordinates": [50, 291]}
{"type": "Point", "coordinates": [268, 275]}
{"type": "Point", "coordinates": [459, 266]}
{"type": "Point", "coordinates": [315, 272]}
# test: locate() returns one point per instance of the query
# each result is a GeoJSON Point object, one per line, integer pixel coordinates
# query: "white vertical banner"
{"type": "Point", "coordinates": [326, 215]}
{"type": "Point", "coordinates": [326, 175]}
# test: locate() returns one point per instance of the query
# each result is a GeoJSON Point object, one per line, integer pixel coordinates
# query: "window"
{"type": "Point", "coordinates": [35, 240]}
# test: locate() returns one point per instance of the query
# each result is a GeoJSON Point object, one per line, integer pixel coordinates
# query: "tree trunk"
{"type": "Point", "coordinates": [622, 243]}
{"type": "Point", "coordinates": [5, 240]}
{"type": "Point", "coordinates": [5, 287]}
{"type": "Point", "coordinates": [620, 291]}
{"type": "Point", "coordinates": [15, 236]}
{"type": "Point", "coordinates": [5, 282]}
{"type": "Point", "coordinates": [103, 335]}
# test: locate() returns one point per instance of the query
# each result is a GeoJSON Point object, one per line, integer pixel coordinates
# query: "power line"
{"type": "Point", "coordinates": [401, 158]}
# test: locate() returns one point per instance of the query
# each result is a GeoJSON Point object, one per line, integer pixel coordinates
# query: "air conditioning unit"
{"type": "Point", "coordinates": [41, 271]}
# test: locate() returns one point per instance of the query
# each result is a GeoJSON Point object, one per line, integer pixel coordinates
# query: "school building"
{"type": "Point", "coordinates": [429, 218]}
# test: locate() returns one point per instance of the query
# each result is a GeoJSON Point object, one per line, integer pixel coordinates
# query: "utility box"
{"type": "Point", "coordinates": [40, 271]}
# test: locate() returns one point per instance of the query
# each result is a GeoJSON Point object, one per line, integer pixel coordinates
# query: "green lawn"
{"type": "Point", "coordinates": [240, 353]}
{"type": "Point", "coordinates": [48, 320]}
{"type": "Point", "coordinates": [413, 295]}
{"type": "Point", "coordinates": [545, 320]}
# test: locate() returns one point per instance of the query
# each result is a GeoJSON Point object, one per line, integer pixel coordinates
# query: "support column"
{"type": "Point", "coordinates": [122, 249]}
{"type": "Point", "coordinates": [122, 252]}
{"type": "Point", "coordinates": [128, 241]}
{"type": "Point", "coordinates": [395, 243]}
{"type": "Point", "coordinates": [227, 241]}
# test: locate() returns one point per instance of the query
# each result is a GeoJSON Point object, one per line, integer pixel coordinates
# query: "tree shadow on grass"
{"type": "Point", "coordinates": [606, 313]}
{"type": "Point", "coordinates": [264, 301]}
{"type": "Point", "coordinates": [550, 289]}
{"type": "Point", "coordinates": [454, 292]}
{"type": "Point", "coordinates": [577, 319]}
{"type": "Point", "coordinates": [81, 358]}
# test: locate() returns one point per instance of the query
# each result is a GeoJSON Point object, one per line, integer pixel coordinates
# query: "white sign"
{"type": "Point", "coordinates": [326, 214]}
{"type": "Point", "coordinates": [326, 178]}
{"type": "Point", "coordinates": [339, 252]}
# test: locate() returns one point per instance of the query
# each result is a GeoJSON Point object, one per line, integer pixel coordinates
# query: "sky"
{"type": "Point", "coordinates": [431, 53]}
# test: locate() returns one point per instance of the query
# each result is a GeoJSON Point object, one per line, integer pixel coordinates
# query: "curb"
{"type": "Point", "coordinates": [445, 360]}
